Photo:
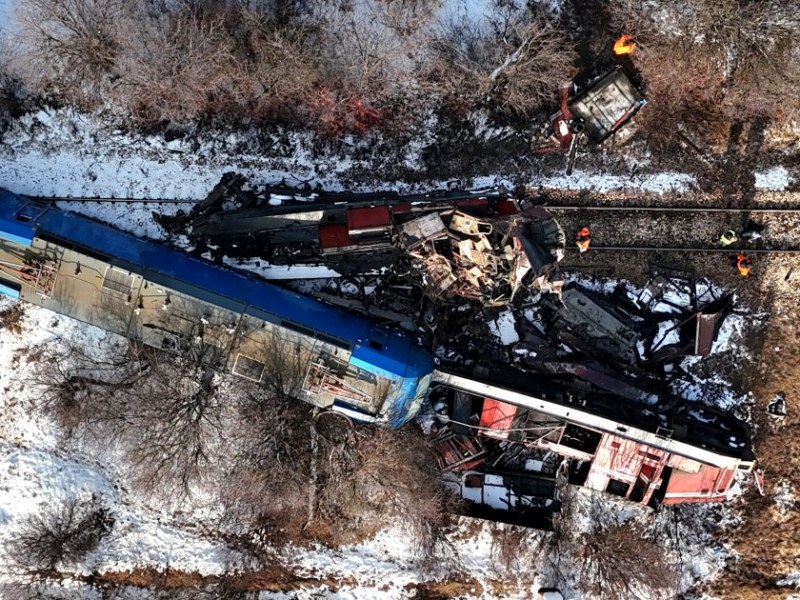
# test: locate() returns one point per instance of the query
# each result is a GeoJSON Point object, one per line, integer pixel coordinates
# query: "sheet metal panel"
{"type": "Point", "coordinates": [218, 286]}
{"type": "Point", "coordinates": [9, 290]}
{"type": "Point", "coordinates": [575, 415]}
{"type": "Point", "coordinates": [708, 483]}
{"type": "Point", "coordinates": [11, 229]}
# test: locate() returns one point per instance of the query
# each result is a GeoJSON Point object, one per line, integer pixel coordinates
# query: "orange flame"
{"type": "Point", "coordinates": [624, 45]}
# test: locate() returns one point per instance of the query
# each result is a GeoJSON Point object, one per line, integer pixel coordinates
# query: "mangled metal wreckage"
{"type": "Point", "coordinates": [585, 398]}
{"type": "Point", "coordinates": [600, 109]}
{"type": "Point", "coordinates": [582, 398]}
{"type": "Point", "coordinates": [479, 245]}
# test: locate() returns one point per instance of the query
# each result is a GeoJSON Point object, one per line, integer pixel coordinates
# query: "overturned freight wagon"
{"type": "Point", "coordinates": [645, 451]}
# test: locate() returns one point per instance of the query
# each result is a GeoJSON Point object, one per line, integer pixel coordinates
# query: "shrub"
{"type": "Point", "coordinates": [63, 534]}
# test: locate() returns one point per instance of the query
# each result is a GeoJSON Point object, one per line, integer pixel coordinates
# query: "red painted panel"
{"type": "Point", "coordinates": [497, 415]}
{"type": "Point", "coordinates": [620, 458]}
{"type": "Point", "coordinates": [709, 484]}
{"type": "Point", "coordinates": [334, 236]}
{"type": "Point", "coordinates": [374, 217]}
{"type": "Point", "coordinates": [507, 207]}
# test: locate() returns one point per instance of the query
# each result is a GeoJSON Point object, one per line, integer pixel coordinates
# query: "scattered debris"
{"type": "Point", "coordinates": [477, 273]}
{"type": "Point", "coordinates": [479, 245]}
{"type": "Point", "coordinates": [611, 354]}
{"type": "Point", "coordinates": [461, 256]}
{"type": "Point", "coordinates": [777, 406]}
{"type": "Point", "coordinates": [599, 110]}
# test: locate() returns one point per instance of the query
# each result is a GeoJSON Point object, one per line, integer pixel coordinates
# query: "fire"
{"type": "Point", "coordinates": [624, 45]}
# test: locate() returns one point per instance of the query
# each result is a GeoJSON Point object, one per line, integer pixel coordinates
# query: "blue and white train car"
{"type": "Point", "coordinates": [140, 289]}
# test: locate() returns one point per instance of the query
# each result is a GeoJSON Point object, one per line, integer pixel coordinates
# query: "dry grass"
{"type": "Point", "coordinates": [11, 319]}
{"type": "Point", "coordinates": [767, 539]}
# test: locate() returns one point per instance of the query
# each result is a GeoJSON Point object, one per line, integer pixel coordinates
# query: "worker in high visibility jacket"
{"type": "Point", "coordinates": [728, 238]}
{"type": "Point", "coordinates": [583, 239]}
{"type": "Point", "coordinates": [743, 264]}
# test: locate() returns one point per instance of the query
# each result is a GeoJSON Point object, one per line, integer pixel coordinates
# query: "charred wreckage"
{"type": "Point", "coordinates": [448, 307]}
{"type": "Point", "coordinates": [538, 382]}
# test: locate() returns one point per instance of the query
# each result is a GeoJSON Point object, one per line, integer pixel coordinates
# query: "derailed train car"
{"type": "Point", "coordinates": [164, 298]}
{"type": "Point", "coordinates": [140, 289]}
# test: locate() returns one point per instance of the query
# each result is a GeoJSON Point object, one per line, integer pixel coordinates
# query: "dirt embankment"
{"type": "Point", "coordinates": [277, 578]}
{"type": "Point", "coordinates": [768, 538]}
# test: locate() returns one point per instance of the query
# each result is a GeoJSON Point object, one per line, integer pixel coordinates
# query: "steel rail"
{"type": "Point", "coordinates": [670, 209]}
{"type": "Point", "coordinates": [555, 207]}
{"type": "Point", "coordinates": [114, 200]}
{"type": "Point", "coordinates": [698, 250]}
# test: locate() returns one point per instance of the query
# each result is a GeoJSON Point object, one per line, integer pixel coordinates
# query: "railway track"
{"type": "Point", "coordinates": [113, 200]}
{"type": "Point", "coordinates": [639, 229]}
{"type": "Point", "coordinates": [684, 229]}
{"type": "Point", "coordinates": [552, 207]}
{"type": "Point", "coordinates": [729, 250]}
{"type": "Point", "coordinates": [673, 209]}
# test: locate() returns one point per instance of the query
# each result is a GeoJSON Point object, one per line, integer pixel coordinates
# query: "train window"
{"type": "Point", "coordinates": [248, 368]}
{"type": "Point", "coordinates": [617, 488]}
{"type": "Point", "coordinates": [118, 281]}
{"type": "Point", "coordinates": [375, 345]}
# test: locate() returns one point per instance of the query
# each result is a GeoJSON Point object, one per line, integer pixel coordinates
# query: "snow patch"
{"type": "Point", "coordinates": [504, 328]}
{"type": "Point", "coordinates": [659, 182]}
{"type": "Point", "coordinates": [776, 179]}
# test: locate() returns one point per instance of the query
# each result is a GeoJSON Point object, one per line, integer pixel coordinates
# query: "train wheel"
{"type": "Point", "coordinates": [333, 426]}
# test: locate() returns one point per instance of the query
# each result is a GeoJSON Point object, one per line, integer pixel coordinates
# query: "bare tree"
{"type": "Point", "coordinates": [286, 361]}
{"type": "Point", "coordinates": [620, 561]}
{"type": "Point", "coordinates": [516, 550]}
{"type": "Point", "coordinates": [61, 534]}
{"type": "Point", "coordinates": [515, 60]}
{"type": "Point", "coordinates": [74, 44]}
{"type": "Point", "coordinates": [174, 421]}
{"type": "Point", "coordinates": [384, 473]}
{"type": "Point", "coordinates": [265, 484]}
{"type": "Point", "coordinates": [11, 318]}
{"type": "Point", "coordinates": [162, 411]}
{"type": "Point", "coordinates": [221, 61]}
{"type": "Point", "coordinates": [177, 67]}
{"type": "Point", "coordinates": [373, 56]}
{"type": "Point", "coordinates": [12, 88]}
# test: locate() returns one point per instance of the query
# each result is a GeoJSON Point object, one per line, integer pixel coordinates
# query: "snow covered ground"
{"type": "Point", "coordinates": [64, 154]}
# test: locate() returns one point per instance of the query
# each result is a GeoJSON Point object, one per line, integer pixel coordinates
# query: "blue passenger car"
{"type": "Point", "coordinates": [143, 290]}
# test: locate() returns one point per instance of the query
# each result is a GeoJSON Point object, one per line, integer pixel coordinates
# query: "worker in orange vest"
{"type": "Point", "coordinates": [743, 264]}
{"type": "Point", "coordinates": [583, 239]}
